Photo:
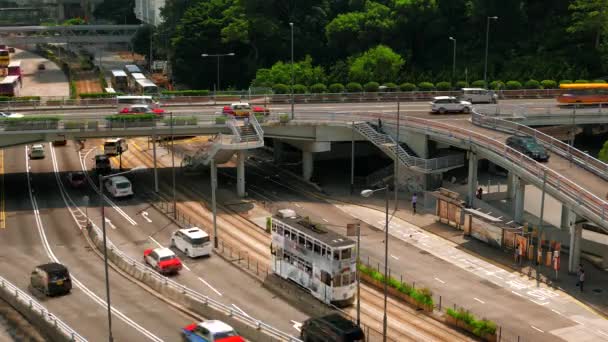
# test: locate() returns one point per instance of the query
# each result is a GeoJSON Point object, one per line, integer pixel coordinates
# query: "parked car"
{"type": "Point", "coordinates": [52, 279]}
{"type": "Point", "coordinates": [331, 328]}
{"type": "Point", "coordinates": [102, 164]}
{"type": "Point", "coordinates": [141, 109]}
{"type": "Point", "coordinates": [119, 186]}
{"type": "Point", "coordinates": [210, 331]}
{"type": "Point", "coordinates": [444, 104]}
{"type": "Point", "coordinates": [193, 242]}
{"type": "Point", "coordinates": [243, 109]}
{"type": "Point", "coordinates": [37, 151]}
{"type": "Point", "coordinates": [479, 95]}
{"type": "Point", "coordinates": [163, 260]}
{"type": "Point", "coordinates": [76, 179]}
{"type": "Point", "coordinates": [60, 142]}
{"type": "Point", "coordinates": [10, 115]}
{"type": "Point", "coordinates": [528, 146]}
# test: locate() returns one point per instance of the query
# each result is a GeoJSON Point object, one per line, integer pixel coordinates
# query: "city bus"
{"type": "Point", "coordinates": [133, 80]}
{"type": "Point", "coordinates": [10, 86]}
{"type": "Point", "coordinates": [132, 68]}
{"type": "Point", "coordinates": [583, 93]}
{"type": "Point", "coordinates": [145, 87]}
{"type": "Point", "coordinates": [5, 58]}
{"type": "Point", "coordinates": [14, 68]}
{"type": "Point", "coordinates": [120, 81]}
{"type": "Point", "coordinates": [319, 260]}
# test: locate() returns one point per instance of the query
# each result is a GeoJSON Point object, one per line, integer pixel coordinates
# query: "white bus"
{"type": "Point", "coordinates": [145, 87]}
{"type": "Point", "coordinates": [322, 261]}
{"type": "Point", "coordinates": [120, 81]}
{"type": "Point", "coordinates": [127, 101]}
{"type": "Point", "coordinates": [116, 146]}
{"type": "Point", "coordinates": [133, 79]}
{"type": "Point", "coordinates": [132, 68]}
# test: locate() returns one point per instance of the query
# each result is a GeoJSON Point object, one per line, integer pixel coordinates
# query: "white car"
{"type": "Point", "coordinates": [163, 260]}
{"type": "Point", "coordinates": [119, 186]}
{"type": "Point", "coordinates": [193, 242]}
{"type": "Point", "coordinates": [211, 331]}
{"type": "Point", "coordinates": [444, 104]}
{"type": "Point", "coordinates": [37, 151]}
{"type": "Point", "coordinates": [479, 95]}
{"type": "Point", "coordinates": [9, 115]}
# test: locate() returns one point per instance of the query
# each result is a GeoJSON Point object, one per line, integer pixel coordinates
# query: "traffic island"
{"type": "Point", "coordinates": [464, 320]}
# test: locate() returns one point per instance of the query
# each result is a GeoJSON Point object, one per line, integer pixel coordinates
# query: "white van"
{"type": "Point", "coordinates": [193, 242]}
{"type": "Point", "coordinates": [112, 147]}
{"type": "Point", "coordinates": [479, 95]}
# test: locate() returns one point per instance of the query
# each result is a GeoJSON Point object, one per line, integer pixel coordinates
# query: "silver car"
{"type": "Point", "coordinates": [444, 104]}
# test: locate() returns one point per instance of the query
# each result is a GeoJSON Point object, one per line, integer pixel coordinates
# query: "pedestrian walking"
{"type": "Point", "coordinates": [414, 201]}
{"type": "Point", "coordinates": [581, 280]}
{"type": "Point", "coordinates": [579, 269]}
{"type": "Point", "coordinates": [479, 193]}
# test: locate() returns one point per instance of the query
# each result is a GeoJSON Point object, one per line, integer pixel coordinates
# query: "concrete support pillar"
{"type": "Point", "coordinates": [520, 191]}
{"type": "Point", "coordinates": [277, 151]}
{"type": "Point", "coordinates": [472, 183]}
{"type": "Point", "coordinates": [240, 173]}
{"type": "Point", "coordinates": [510, 186]}
{"type": "Point", "coordinates": [307, 165]}
{"type": "Point", "coordinates": [576, 235]}
{"type": "Point", "coordinates": [568, 218]}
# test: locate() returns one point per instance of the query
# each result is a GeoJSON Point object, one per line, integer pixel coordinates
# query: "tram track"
{"type": "Point", "coordinates": [404, 323]}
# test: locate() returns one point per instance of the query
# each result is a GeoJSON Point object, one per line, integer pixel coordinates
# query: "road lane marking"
{"type": "Point", "coordinates": [557, 312]}
{"type": "Point", "coordinates": [439, 280]}
{"type": "Point", "coordinates": [156, 242]}
{"type": "Point", "coordinates": [394, 257]}
{"type": "Point", "coordinates": [601, 332]}
{"type": "Point", "coordinates": [211, 287]}
{"type": "Point", "coordinates": [297, 205]}
{"type": "Point", "coordinates": [519, 294]}
{"type": "Point", "coordinates": [535, 328]}
{"type": "Point", "coordinates": [325, 220]}
{"type": "Point", "coordinates": [479, 300]}
{"type": "Point", "coordinates": [110, 223]}
{"type": "Point", "coordinates": [581, 323]}
{"type": "Point", "coordinates": [144, 214]}
{"type": "Point", "coordinates": [296, 325]}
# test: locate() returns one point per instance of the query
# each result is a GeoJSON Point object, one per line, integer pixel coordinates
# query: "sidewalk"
{"type": "Point", "coordinates": [595, 293]}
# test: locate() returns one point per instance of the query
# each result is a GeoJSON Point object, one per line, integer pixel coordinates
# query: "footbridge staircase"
{"type": "Point", "coordinates": [246, 134]}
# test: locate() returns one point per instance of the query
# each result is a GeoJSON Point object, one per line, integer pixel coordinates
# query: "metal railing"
{"type": "Point", "coordinates": [34, 306]}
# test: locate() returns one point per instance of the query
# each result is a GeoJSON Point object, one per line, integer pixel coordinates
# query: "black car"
{"type": "Point", "coordinates": [529, 146]}
{"type": "Point", "coordinates": [331, 328]}
{"type": "Point", "coordinates": [102, 164]}
{"type": "Point", "coordinates": [51, 279]}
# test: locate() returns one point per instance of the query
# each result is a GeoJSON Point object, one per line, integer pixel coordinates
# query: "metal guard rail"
{"type": "Point", "coordinates": [199, 297]}
{"type": "Point", "coordinates": [578, 195]}
{"type": "Point", "coordinates": [48, 316]}
{"type": "Point", "coordinates": [568, 152]}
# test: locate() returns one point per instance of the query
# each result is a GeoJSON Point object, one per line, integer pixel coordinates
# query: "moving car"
{"type": "Point", "coordinates": [76, 179]}
{"type": "Point", "coordinates": [141, 109]}
{"type": "Point", "coordinates": [444, 104]}
{"type": "Point", "coordinates": [52, 279]}
{"type": "Point", "coordinates": [41, 66]}
{"type": "Point", "coordinates": [163, 260]}
{"type": "Point", "coordinates": [61, 142]}
{"type": "Point", "coordinates": [10, 115]}
{"type": "Point", "coordinates": [102, 164]}
{"type": "Point", "coordinates": [528, 146]}
{"type": "Point", "coordinates": [210, 331]}
{"type": "Point", "coordinates": [37, 151]}
{"type": "Point", "coordinates": [243, 109]}
{"type": "Point", "coordinates": [331, 328]}
{"type": "Point", "coordinates": [116, 146]}
{"type": "Point", "coordinates": [119, 186]}
{"type": "Point", "coordinates": [479, 95]}
{"type": "Point", "coordinates": [193, 242]}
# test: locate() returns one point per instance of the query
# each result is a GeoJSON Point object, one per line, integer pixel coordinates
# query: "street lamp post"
{"type": "Point", "coordinates": [105, 249]}
{"type": "Point", "coordinates": [368, 193]}
{"type": "Point", "coordinates": [485, 68]}
{"type": "Point", "coordinates": [292, 73]}
{"type": "Point", "coordinates": [218, 55]}
{"type": "Point", "coordinates": [453, 61]}
{"type": "Point", "coordinates": [173, 169]}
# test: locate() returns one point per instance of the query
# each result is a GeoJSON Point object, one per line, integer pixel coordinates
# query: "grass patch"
{"type": "Point", "coordinates": [479, 327]}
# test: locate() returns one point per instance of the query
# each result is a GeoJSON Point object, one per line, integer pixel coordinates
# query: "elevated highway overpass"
{"type": "Point", "coordinates": [91, 34]}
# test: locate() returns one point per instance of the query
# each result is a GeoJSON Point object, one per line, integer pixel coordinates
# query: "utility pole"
{"type": "Point", "coordinates": [485, 68]}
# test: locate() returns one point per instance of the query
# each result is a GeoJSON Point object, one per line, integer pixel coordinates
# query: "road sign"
{"type": "Point", "coordinates": [351, 229]}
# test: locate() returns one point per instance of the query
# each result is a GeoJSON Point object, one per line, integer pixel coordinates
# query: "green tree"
{"type": "Point", "coordinates": [589, 17]}
{"type": "Point", "coordinates": [117, 11]}
{"type": "Point", "coordinates": [380, 63]}
{"type": "Point", "coordinates": [603, 155]}
{"type": "Point", "coordinates": [304, 72]}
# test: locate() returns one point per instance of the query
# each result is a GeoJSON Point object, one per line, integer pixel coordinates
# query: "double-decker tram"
{"type": "Point", "coordinates": [321, 261]}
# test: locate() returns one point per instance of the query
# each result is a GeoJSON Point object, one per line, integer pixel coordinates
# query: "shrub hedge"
{"type": "Point", "coordinates": [532, 84]}
{"type": "Point", "coordinates": [422, 296]}
{"type": "Point", "coordinates": [98, 95]}
{"type": "Point", "coordinates": [548, 84]}
{"type": "Point", "coordinates": [131, 117]}
{"type": "Point", "coordinates": [32, 118]}
{"type": "Point", "coordinates": [480, 327]}
{"type": "Point", "coordinates": [581, 81]}
{"type": "Point", "coordinates": [299, 89]}
{"type": "Point", "coordinates": [199, 92]}
{"type": "Point", "coordinates": [407, 86]}
{"type": "Point", "coordinates": [390, 87]}
{"type": "Point", "coordinates": [478, 84]}
{"type": "Point", "coordinates": [371, 87]}
{"type": "Point", "coordinates": [336, 88]}
{"type": "Point", "coordinates": [426, 86]}
{"type": "Point", "coordinates": [280, 88]}
{"type": "Point", "coordinates": [443, 86]}
{"type": "Point", "coordinates": [318, 88]}
{"type": "Point", "coordinates": [497, 85]}
{"type": "Point", "coordinates": [354, 87]}
{"type": "Point", "coordinates": [19, 98]}
{"type": "Point", "coordinates": [462, 84]}
{"type": "Point", "coordinates": [565, 81]}
{"type": "Point", "coordinates": [513, 85]}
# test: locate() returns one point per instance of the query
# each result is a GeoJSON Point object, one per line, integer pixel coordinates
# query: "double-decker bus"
{"type": "Point", "coordinates": [120, 81]}
{"type": "Point", "coordinates": [10, 86]}
{"type": "Point", "coordinates": [321, 261]}
{"type": "Point", "coordinates": [5, 58]}
{"type": "Point", "coordinates": [584, 93]}
{"type": "Point", "coordinates": [145, 87]}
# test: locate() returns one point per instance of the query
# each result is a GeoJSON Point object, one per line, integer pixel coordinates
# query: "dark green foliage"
{"type": "Point", "coordinates": [496, 85]}
{"type": "Point", "coordinates": [371, 87]}
{"type": "Point", "coordinates": [318, 88]}
{"type": "Point", "coordinates": [280, 88]}
{"type": "Point", "coordinates": [480, 327]}
{"type": "Point", "coordinates": [548, 84]}
{"type": "Point", "coordinates": [354, 87]}
{"type": "Point", "coordinates": [131, 117]}
{"type": "Point", "coordinates": [513, 85]}
{"type": "Point", "coordinates": [407, 87]}
{"type": "Point", "coordinates": [299, 89]}
{"type": "Point", "coordinates": [20, 98]}
{"type": "Point", "coordinates": [581, 81]}
{"type": "Point", "coordinates": [532, 84]}
{"type": "Point", "coordinates": [336, 88]}
{"type": "Point", "coordinates": [390, 87]}
{"type": "Point", "coordinates": [478, 84]}
{"type": "Point", "coordinates": [425, 86]}
{"type": "Point", "coordinates": [98, 95]}
{"type": "Point", "coordinates": [565, 82]}
{"type": "Point", "coordinates": [461, 84]}
{"type": "Point", "coordinates": [442, 86]}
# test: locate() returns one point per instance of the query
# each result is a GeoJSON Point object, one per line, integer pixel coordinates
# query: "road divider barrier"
{"type": "Point", "coordinates": [249, 327]}
{"type": "Point", "coordinates": [51, 327]}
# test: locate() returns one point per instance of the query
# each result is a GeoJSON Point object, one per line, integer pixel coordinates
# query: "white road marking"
{"type": "Point", "coordinates": [211, 287]}
{"type": "Point", "coordinates": [297, 205]}
{"type": "Point", "coordinates": [144, 214]}
{"type": "Point", "coordinates": [581, 323]}
{"type": "Point", "coordinates": [479, 300]}
{"type": "Point", "coordinates": [557, 312]}
{"type": "Point", "coordinates": [394, 257]}
{"type": "Point", "coordinates": [156, 242]}
{"type": "Point", "coordinates": [601, 332]}
{"type": "Point", "coordinates": [110, 223]}
{"type": "Point", "coordinates": [439, 280]}
{"type": "Point", "coordinates": [325, 220]}
{"type": "Point", "coordinates": [519, 294]}
{"type": "Point", "coordinates": [297, 325]}
{"type": "Point", "coordinates": [535, 328]}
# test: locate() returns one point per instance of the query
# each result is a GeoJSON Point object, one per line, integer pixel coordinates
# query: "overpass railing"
{"type": "Point", "coordinates": [27, 301]}
{"type": "Point", "coordinates": [566, 151]}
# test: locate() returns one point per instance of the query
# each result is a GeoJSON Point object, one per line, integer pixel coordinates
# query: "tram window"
{"type": "Point", "coordinates": [353, 277]}
{"type": "Point", "coordinates": [317, 248]}
{"type": "Point", "coordinates": [346, 279]}
{"type": "Point", "coordinates": [325, 278]}
{"type": "Point", "coordinates": [301, 240]}
{"type": "Point", "coordinates": [346, 254]}
{"type": "Point", "coordinates": [336, 255]}
{"type": "Point", "coordinates": [280, 230]}
{"type": "Point", "coordinates": [337, 281]}
{"type": "Point", "coordinates": [323, 250]}
{"type": "Point", "coordinates": [308, 269]}
{"type": "Point", "coordinates": [294, 236]}
{"type": "Point", "coordinates": [309, 245]}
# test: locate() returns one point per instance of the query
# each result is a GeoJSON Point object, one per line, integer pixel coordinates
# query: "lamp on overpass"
{"type": "Point", "coordinates": [368, 193]}
{"type": "Point", "coordinates": [485, 68]}
{"type": "Point", "coordinates": [105, 248]}
{"type": "Point", "coordinates": [218, 55]}
{"type": "Point", "coordinates": [453, 61]}
{"type": "Point", "coordinates": [292, 73]}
